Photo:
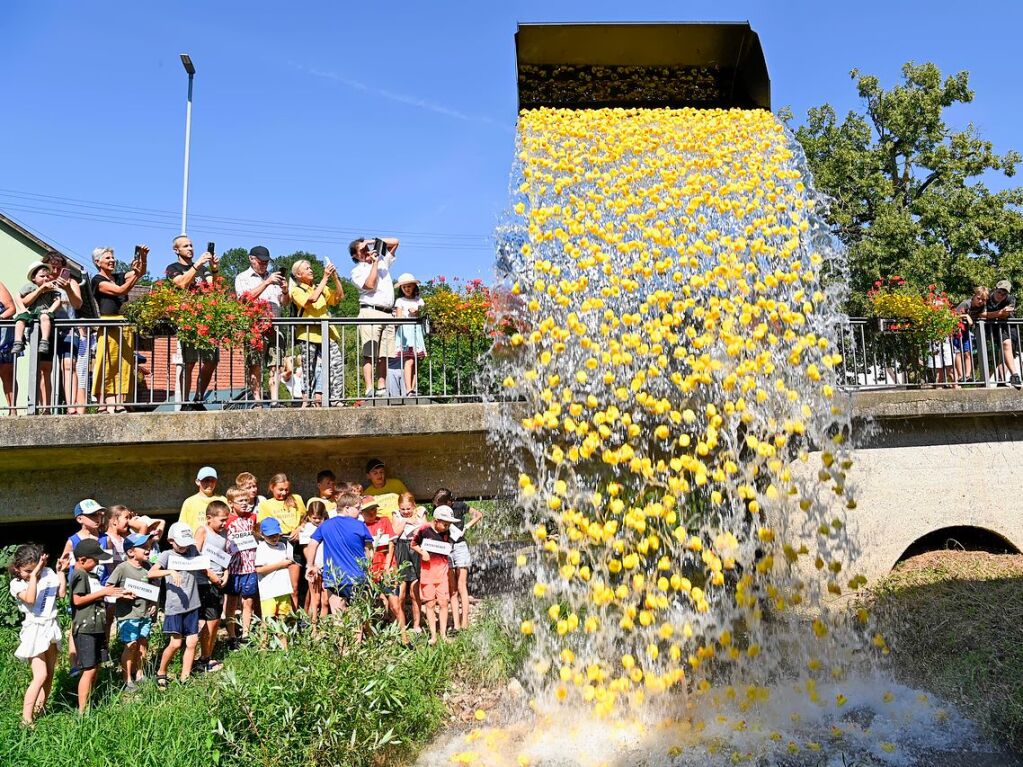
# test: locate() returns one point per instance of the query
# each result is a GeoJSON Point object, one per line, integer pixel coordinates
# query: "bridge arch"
{"type": "Point", "coordinates": [960, 538]}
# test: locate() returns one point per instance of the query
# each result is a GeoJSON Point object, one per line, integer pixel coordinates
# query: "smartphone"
{"type": "Point", "coordinates": [283, 271]}
{"type": "Point", "coordinates": [65, 273]}
{"type": "Point", "coordinates": [380, 247]}
{"type": "Point", "coordinates": [211, 248]}
{"type": "Point", "coordinates": [138, 251]}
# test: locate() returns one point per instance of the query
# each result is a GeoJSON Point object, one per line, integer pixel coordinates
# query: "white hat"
{"type": "Point", "coordinates": [35, 267]}
{"type": "Point", "coordinates": [181, 534]}
{"type": "Point", "coordinates": [406, 279]}
{"type": "Point", "coordinates": [206, 472]}
{"type": "Point", "coordinates": [444, 514]}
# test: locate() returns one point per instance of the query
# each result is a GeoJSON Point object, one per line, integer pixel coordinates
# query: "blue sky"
{"type": "Point", "coordinates": [317, 121]}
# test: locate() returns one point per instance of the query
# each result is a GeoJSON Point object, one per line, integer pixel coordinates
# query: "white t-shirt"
{"type": "Point", "coordinates": [277, 583]}
{"type": "Point", "coordinates": [383, 295]}
{"type": "Point", "coordinates": [248, 281]}
{"type": "Point", "coordinates": [47, 588]}
{"type": "Point", "coordinates": [404, 304]}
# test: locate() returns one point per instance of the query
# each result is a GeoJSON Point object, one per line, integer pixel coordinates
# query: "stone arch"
{"type": "Point", "coordinates": [960, 537]}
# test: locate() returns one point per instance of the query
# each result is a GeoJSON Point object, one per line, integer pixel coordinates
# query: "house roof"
{"type": "Point", "coordinates": [42, 244]}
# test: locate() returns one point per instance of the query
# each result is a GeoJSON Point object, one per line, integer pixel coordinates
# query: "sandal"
{"type": "Point", "coordinates": [213, 665]}
{"type": "Point", "coordinates": [162, 682]}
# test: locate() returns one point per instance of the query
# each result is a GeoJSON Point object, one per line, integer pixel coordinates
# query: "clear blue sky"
{"type": "Point", "coordinates": [317, 121]}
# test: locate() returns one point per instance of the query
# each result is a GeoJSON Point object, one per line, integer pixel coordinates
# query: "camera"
{"type": "Point", "coordinates": [380, 247]}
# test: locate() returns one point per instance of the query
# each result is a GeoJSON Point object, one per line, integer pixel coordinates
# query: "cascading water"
{"type": "Point", "coordinates": [671, 332]}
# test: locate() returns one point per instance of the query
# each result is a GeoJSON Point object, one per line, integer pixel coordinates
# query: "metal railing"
{"type": "Point", "coordinates": [106, 365]}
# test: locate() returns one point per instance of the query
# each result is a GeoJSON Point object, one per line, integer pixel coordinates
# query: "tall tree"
{"type": "Point", "coordinates": [908, 194]}
{"type": "Point", "coordinates": [233, 262]}
{"type": "Point", "coordinates": [349, 306]}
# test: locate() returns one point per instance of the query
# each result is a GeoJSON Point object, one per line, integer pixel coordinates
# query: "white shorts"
{"type": "Point", "coordinates": [460, 555]}
{"type": "Point", "coordinates": [939, 354]}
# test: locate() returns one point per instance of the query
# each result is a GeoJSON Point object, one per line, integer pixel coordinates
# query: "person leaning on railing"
{"type": "Point", "coordinates": [115, 348]}
{"type": "Point", "coordinates": [313, 302]}
{"type": "Point", "coordinates": [969, 312]}
{"type": "Point", "coordinates": [1001, 305]}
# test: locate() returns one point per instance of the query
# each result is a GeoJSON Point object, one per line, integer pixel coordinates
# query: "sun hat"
{"type": "Point", "coordinates": [369, 502]}
{"type": "Point", "coordinates": [90, 548]}
{"type": "Point", "coordinates": [136, 539]}
{"type": "Point", "coordinates": [444, 514]}
{"type": "Point", "coordinates": [206, 472]}
{"type": "Point", "coordinates": [35, 267]}
{"type": "Point", "coordinates": [406, 279]}
{"type": "Point", "coordinates": [270, 526]}
{"type": "Point", "coordinates": [88, 507]}
{"type": "Point", "coordinates": [181, 534]}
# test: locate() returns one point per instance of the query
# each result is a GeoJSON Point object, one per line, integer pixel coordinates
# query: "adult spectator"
{"type": "Point", "coordinates": [7, 311]}
{"type": "Point", "coordinates": [385, 489]}
{"type": "Point", "coordinates": [969, 311]}
{"type": "Point", "coordinates": [1001, 305]}
{"type": "Point", "coordinates": [71, 343]}
{"type": "Point", "coordinates": [314, 302]}
{"type": "Point", "coordinates": [188, 274]}
{"type": "Point", "coordinates": [259, 282]}
{"type": "Point", "coordinates": [372, 276]}
{"type": "Point", "coordinates": [115, 352]}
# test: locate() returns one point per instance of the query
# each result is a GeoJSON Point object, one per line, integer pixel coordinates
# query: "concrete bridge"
{"type": "Point", "coordinates": [931, 465]}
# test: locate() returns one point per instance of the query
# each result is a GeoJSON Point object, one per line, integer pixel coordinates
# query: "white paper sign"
{"type": "Point", "coordinates": [147, 591]}
{"type": "Point", "coordinates": [217, 556]}
{"type": "Point", "coordinates": [381, 540]}
{"type": "Point", "coordinates": [188, 563]}
{"type": "Point", "coordinates": [245, 542]}
{"type": "Point", "coordinates": [455, 533]}
{"type": "Point", "coordinates": [275, 584]}
{"type": "Point", "coordinates": [435, 547]}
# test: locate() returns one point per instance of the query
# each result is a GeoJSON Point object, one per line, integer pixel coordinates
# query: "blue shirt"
{"type": "Point", "coordinates": [344, 541]}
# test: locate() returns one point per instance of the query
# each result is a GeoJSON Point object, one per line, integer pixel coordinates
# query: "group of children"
{"type": "Point", "coordinates": [232, 557]}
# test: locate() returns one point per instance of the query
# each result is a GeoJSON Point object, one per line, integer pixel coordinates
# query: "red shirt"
{"type": "Point", "coordinates": [243, 562]}
{"type": "Point", "coordinates": [383, 536]}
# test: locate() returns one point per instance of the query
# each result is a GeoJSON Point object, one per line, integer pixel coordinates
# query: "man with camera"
{"type": "Point", "coordinates": [188, 274]}
{"type": "Point", "coordinates": [372, 276]}
{"type": "Point", "coordinates": [259, 282]}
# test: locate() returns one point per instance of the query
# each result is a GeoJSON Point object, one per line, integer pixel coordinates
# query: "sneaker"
{"type": "Point", "coordinates": [369, 392]}
{"type": "Point", "coordinates": [18, 348]}
{"type": "Point", "coordinates": [412, 393]}
{"type": "Point", "coordinates": [1015, 382]}
{"type": "Point", "coordinates": [381, 392]}
{"type": "Point", "coordinates": [198, 405]}
{"type": "Point", "coordinates": [44, 348]}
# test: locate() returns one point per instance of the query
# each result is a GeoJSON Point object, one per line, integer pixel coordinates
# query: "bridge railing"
{"type": "Point", "coordinates": [108, 365]}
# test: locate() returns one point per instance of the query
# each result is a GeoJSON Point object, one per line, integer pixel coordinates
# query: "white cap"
{"type": "Point", "coordinates": [444, 514]}
{"type": "Point", "coordinates": [206, 472]}
{"type": "Point", "coordinates": [181, 534]}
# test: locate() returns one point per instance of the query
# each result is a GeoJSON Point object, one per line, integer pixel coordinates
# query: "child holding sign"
{"type": "Point", "coordinates": [383, 558]}
{"type": "Point", "coordinates": [134, 615]}
{"type": "Point", "coordinates": [89, 623]}
{"type": "Point", "coordinates": [273, 558]}
{"type": "Point", "coordinates": [433, 545]}
{"type": "Point", "coordinates": [211, 540]}
{"type": "Point", "coordinates": [241, 585]}
{"type": "Point", "coordinates": [180, 564]}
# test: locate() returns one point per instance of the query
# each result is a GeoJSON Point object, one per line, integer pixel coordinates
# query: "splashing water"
{"type": "Point", "coordinates": [685, 482]}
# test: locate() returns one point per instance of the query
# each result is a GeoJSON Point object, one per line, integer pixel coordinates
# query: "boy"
{"type": "Point", "coordinates": [385, 489]}
{"type": "Point", "coordinates": [250, 484]}
{"type": "Point", "coordinates": [383, 557]}
{"type": "Point", "coordinates": [89, 624]}
{"type": "Point", "coordinates": [273, 558]}
{"type": "Point", "coordinates": [433, 544]}
{"type": "Point", "coordinates": [134, 616]}
{"type": "Point", "coordinates": [347, 544]}
{"type": "Point", "coordinates": [193, 510]}
{"type": "Point", "coordinates": [41, 301]}
{"type": "Point", "coordinates": [241, 584]}
{"type": "Point", "coordinates": [90, 516]}
{"type": "Point", "coordinates": [181, 607]}
{"type": "Point", "coordinates": [211, 540]}
{"type": "Point", "coordinates": [326, 491]}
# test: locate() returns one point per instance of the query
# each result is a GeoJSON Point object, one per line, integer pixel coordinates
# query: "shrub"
{"type": "Point", "coordinates": [926, 318]}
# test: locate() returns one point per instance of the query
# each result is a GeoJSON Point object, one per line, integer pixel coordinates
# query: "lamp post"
{"type": "Point", "coordinates": [186, 61]}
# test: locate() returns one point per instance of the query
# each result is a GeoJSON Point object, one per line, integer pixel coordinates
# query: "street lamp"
{"type": "Point", "coordinates": [186, 61]}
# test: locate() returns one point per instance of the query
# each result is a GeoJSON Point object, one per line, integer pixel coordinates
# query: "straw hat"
{"type": "Point", "coordinates": [37, 265]}
{"type": "Point", "coordinates": [406, 279]}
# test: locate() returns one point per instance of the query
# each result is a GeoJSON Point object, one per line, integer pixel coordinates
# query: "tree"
{"type": "Point", "coordinates": [233, 262]}
{"type": "Point", "coordinates": [907, 193]}
{"type": "Point", "coordinates": [349, 306]}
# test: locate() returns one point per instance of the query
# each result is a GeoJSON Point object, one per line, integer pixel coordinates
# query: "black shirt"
{"type": "Point", "coordinates": [461, 510]}
{"type": "Point", "coordinates": [109, 306]}
{"type": "Point", "coordinates": [202, 274]}
{"type": "Point", "coordinates": [996, 306]}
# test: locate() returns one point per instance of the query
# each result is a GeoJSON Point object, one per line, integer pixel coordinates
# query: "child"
{"type": "Point", "coordinates": [89, 624]}
{"type": "Point", "coordinates": [118, 526]}
{"type": "Point", "coordinates": [134, 616]}
{"type": "Point", "coordinates": [241, 584]}
{"type": "Point", "coordinates": [181, 606]}
{"type": "Point", "coordinates": [383, 558]}
{"type": "Point", "coordinates": [326, 490]}
{"type": "Point", "coordinates": [347, 543]}
{"type": "Point", "coordinates": [433, 544]}
{"type": "Point", "coordinates": [316, 598]}
{"type": "Point", "coordinates": [89, 515]}
{"type": "Point", "coordinates": [41, 301]}
{"type": "Point", "coordinates": [193, 510]}
{"type": "Point", "coordinates": [288, 509]}
{"type": "Point", "coordinates": [211, 540]}
{"type": "Point", "coordinates": [406, 524]}
{"type": "Point", "coordinates": [248, 482]}
{"type": "Point", "coordinates": [458, 578]}
{"type": "Point", "coordinates": [37, 589]}
{"type": "Point", "coordinates": [409, 344]}
{"type": "Point", "coordinates": [273, 559]}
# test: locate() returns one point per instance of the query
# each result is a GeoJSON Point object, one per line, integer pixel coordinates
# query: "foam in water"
{"type": "Point", "coordinates": [675, 309]}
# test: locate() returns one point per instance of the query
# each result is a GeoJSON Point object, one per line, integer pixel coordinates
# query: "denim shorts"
{"type": "Point", "coordinates": [242, 585]}
{"type": "Point", "coordinates": [134, 629]}
{"type": "Point", "coordinates": [185, 624]}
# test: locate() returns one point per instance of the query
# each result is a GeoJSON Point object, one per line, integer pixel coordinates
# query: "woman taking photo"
{"type": "Point", "coordinates": [313, 301]}
{"type": "Point", "coordinates": [115, 347]}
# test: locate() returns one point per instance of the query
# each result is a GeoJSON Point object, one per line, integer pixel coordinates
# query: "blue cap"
{"type": "Point", "coordinates": [136, 539]}
{"type": "Point", "coordinates": [270, 526]}
{"type": "Point", "coordinates": [88, 507]}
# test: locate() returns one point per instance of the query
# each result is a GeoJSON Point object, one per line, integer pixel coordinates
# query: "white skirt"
{"type": "Point", "coordinates": [36, 638]}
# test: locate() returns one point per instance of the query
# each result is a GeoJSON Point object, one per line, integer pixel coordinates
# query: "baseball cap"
{"type": "Point", "coordinates": [374, 463]}
{"type": "Point", "coordinates": [369, 502]}
{"type": "Point", "coordinates": [136, 539]}
{"type": "Point", "coordinates": [89, 507]}
{"type": "Point", "coordinates": [260, 253]}
{"type": "Point", "coordinates": [444, 514]}
{"type": "Point", "coordinates": [270, 526]}
{"type": "Point", "coordinates": [206, 472]}
{"type": "Point", "coordinates": [90, 548]}
{"type": "Point", "coordinates": [1004, 285]}
{"type": "Point", "coordinates": [181, 534]}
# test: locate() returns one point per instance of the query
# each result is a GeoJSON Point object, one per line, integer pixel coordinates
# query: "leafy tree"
{"type": "Point", "coordinates": [908, 195]}
{"type": "Point", "coordinates": [233, 262]}
{"type": "Point", "coordinates": [349, 306]}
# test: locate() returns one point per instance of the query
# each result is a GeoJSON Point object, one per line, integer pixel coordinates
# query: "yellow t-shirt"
{"type": "Point", "coordinates": [193, 510]}
{"type": "Point", "coordinates": [288, 517]}
{"type": "Point", "coordinates": [387, 496]}
{"type": "Point", "coordinates": [314, 310]}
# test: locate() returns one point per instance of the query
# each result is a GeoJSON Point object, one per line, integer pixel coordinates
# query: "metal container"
{"type": "Point", "coordinates": [591, 66]}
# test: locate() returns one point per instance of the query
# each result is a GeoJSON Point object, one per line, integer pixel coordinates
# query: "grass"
{"type": "Point", "coordinates": [326, 701]}
{"type": "Point", "coordinates": [953, 622]}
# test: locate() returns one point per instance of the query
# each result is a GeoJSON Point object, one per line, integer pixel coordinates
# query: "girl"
{"type": "Point", "coordinates": [409, 343]}
{"type": "Point", "coordinates": [460, 559]}
{"type": "Point", "coordinates": [406, 523]}
{"type": "Point", "coordinates": [288, 509]}
{"type": "Point", "coordinates": [37, 589]}
{"type": "Point", "coordinates": [316, 603]}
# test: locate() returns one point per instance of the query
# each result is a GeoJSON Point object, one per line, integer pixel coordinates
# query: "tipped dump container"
{"type": "Point", "coordinates": [580, 66]}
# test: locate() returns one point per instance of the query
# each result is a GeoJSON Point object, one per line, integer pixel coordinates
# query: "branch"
{"type": "Point", "coordinates": [927, 182]}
